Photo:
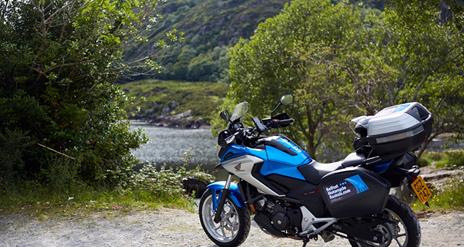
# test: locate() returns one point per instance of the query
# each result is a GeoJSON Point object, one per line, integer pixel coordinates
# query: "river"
{"type": "Point", "coordinates": [167, 146]}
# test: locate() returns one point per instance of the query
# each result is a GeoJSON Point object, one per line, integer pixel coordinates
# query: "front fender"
{"type": "Point", "coordinates": [234, 193]}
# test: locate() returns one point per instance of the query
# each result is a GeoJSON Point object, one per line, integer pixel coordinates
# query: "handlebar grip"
{"type": "Point", "coordinates": [287, 121]}
{"type": "Point", "coordinates": [275, 123]}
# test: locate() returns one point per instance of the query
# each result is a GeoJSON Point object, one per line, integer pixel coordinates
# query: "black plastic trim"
{"type": "Point", "coordinates": [278, 145]}
{"type": "Point", "coordinates": [256, 174]}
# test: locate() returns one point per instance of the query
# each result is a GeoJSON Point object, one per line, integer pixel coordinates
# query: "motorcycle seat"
{"type": "Point", "coordinates": [314, 171]}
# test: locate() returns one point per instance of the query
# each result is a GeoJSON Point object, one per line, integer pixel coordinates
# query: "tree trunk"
{"type": "Point", "coordinates": [426, 144]}
{"type": "Point", "coordinates": [311, 149]}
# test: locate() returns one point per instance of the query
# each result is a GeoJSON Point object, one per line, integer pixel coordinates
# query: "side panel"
{"type": "Point", "coordinates": [242, 167]}
{"type": "Point", "coordinates": [234, 151]}
{"type": "Point", "coordinates": [272, 167]}
{"type": "Point", "coordinates": [354, 192]}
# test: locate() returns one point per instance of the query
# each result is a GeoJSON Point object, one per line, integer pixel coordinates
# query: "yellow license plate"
{"type": "Point", "coordinates": [421, 189]}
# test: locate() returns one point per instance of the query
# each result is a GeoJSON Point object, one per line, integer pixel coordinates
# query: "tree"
{"type": "Point", "coordinates": [61, 57]}
{"type": "Point", "coordinates": [423, 51]}
{"type": "Point", "coordinates": [300, 51]}
{"type": "Point", "coordinates": [342, 61]}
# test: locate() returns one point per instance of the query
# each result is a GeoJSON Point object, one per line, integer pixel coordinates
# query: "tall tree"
{"type": "Point", "coordinates": [299, 51]}
{"type": "Point", "coordinates": [59, 61]}
{"type": "Point", "coordinates": [342, 60]}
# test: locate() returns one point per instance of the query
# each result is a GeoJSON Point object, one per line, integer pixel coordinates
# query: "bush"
{"type": "Point", "coordinates": [61, 174]}
{"type": "Point", "coordinates": [423, 162]}
{"type": "Point", "coordinates": [450, 198]}
{"type": "Point", "coordinates": [450, 159]}
{"type": "Point", "coordinates": [456, 158]}
{"type": "Point", "coordinates": [162, 182]}
{"type": "Point", "coordinates": [14, 145]}
{"type": "Point", "coordinates": [57, 74]}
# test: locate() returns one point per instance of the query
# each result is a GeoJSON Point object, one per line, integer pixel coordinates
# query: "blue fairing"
{"type": "Point", "coordinates": [275, 161]}
{"type": "Point", "coordinates": [234, 151]}
{"type": "Point", "coordinates": [283, 163]}
{"type": "Point", "coordinates": [234, 193]}
{"type": "Point", "coordinates": [271, 167]}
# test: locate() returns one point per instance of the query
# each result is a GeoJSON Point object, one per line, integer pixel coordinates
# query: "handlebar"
{"type": "Point", "coordinates": [241, 134]}
{"type": "Point", "coordinates": [278, 123]}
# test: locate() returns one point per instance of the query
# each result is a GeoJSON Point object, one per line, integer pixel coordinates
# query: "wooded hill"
{"type": "Point", "coordinates": [207, 28]}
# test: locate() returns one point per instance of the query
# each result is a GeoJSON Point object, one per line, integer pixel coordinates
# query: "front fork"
{"type": "Point", "coordinates": [225, 193]}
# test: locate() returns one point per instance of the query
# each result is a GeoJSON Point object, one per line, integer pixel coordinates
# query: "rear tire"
{"type": "Point", "coordinates": [243, 229]}
{"type": "Point", "coordinates": [408, 219]}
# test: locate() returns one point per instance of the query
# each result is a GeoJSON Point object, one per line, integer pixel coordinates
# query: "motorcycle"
{"type": "Point", "coordinates": [293, 196]}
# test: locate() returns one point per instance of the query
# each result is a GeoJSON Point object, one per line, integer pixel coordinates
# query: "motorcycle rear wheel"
{"type": "Point", "coordinates": [402, 213]}
{"type": "Point", "coordinates": [234, 220]}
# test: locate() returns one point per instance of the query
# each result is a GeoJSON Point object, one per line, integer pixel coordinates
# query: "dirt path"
{"type": "Point", "coordinates": [169, 227]}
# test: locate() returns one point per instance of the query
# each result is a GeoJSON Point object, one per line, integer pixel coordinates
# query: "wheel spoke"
{"type": "Point", "coordinates": [223, 231]}
{"type": "Point", "coordinates": [398, 242]}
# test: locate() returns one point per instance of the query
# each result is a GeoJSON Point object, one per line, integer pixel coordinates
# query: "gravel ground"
{"type": "Point", "coordinates": [169, 227]}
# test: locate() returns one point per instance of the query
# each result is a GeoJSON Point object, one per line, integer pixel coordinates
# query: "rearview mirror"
{"type": "Point", "coordinates": [286, 99]}
{"type": "Point", "coordinates": [225, 115]}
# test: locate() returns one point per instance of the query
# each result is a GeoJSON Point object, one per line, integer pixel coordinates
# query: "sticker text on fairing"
{"type": "Point", "coordinates": [338, 190]}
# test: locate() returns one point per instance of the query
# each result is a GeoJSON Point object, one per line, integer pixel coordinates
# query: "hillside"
{"type": "Point", "coordinates": [209, 27]}
{"type": "Point", "coordinates": [173, 103]}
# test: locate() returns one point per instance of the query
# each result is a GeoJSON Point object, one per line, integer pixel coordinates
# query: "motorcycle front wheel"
{"type": "Point", "coordinates": [403, 229]}
{"type": "Point", "coordinates": [234, 226]}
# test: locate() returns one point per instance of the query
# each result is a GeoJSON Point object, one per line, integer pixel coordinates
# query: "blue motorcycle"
{"type": "Point", "coordinates": [290, 195]}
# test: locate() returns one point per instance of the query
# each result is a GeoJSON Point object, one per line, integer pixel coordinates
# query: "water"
{"type": "Point", "coordinates": [167, 146]}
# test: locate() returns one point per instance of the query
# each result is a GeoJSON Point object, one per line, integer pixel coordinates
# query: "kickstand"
{"type": "Point", "coordinates": [305, 242]}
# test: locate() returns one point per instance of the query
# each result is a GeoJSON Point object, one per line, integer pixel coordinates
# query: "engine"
{"type": "Point", "coordinates": [278, 218]}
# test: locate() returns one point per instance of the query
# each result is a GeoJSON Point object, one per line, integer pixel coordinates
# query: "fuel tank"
{"type": "Point", "coordinates": [283, 157]}
{"type": "Point", "coordinates": [278, 159]}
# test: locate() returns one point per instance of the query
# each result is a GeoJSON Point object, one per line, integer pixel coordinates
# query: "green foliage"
{"type": "Point", "coordinates": [13, 146]}
{"type": "Point", "coordinates": [300, 51]}
{"type": "Point", "coordinates": [447, 159]}
{"type": "Point", "coordinates": [61, 174]}
{"type": "Point", "coordinates": [450, 198]}
{"type": "Point", "coordinates": [423, 162]}
{"type": "Point", "coordinates": [204, 30]}
{"type": "Point", "coordinates": [427, 56]}
{"type": "Point", "coordinates": [155, 98]}
{"type": "Point", "coordinates": [163, 182]}
{"type": "Point", "coordinates": [33, 198]}
{"type": "Point", "coordinates": [342, 61]}
{"type": "Point", "coordinates": [207, 28]}
{"type": "Point", "coordinates": [451, 159]}
{"type": "Point", "coordinates": [59, 60]}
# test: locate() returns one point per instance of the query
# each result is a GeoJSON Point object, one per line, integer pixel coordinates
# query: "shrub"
{"type": "Point", "coordinates": [61, 174]}
{"type": "Point", "coordinates": [451, 159]}
{"type": "Point", "coordinates": [163, 182]}
{"type": "Point", "coordinates": [14, 144]}
{"type": "Point", "coordinates": [57, 74]}
{"type": "Point", "coordinates": [456, 158]}
{"type": "Point", "coordinates": [422, 162]}
{"type": "Point", "coordinates": [450, 198]}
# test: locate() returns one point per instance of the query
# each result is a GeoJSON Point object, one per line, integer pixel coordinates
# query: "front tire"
{"type": "Point", "coordinates": [234, 226]}
{"type": "Point", "coordinates": [401, 213]}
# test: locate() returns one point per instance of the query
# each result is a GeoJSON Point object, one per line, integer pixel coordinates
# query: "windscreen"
{"type": "Point", "coordinates": [239, 111]}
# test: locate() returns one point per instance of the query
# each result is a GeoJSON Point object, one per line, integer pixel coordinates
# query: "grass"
{"type": "Point", "coordinates": [153, 96]}
{"type": "Point", "coordinates": [451, 198]}
{"type": "Point", "coordinates": [36, 200]}
{"type": "Point", "coordinates": [448, 159]}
